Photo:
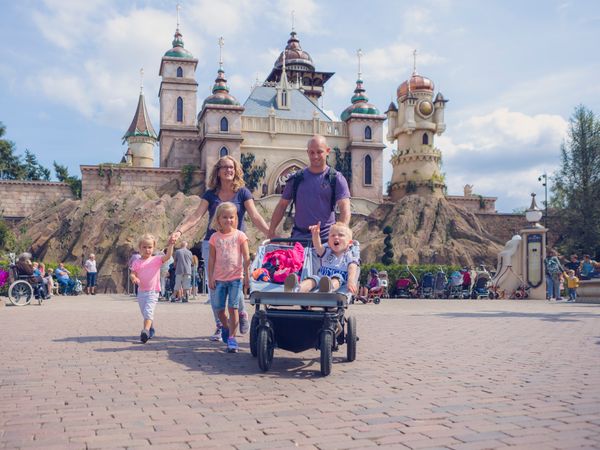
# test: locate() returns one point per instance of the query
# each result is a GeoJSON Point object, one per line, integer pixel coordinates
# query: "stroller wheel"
{"type": "Point", "coordinates": [351, 339]}
{"type": "Point", "coordinates": [376, 300]}
{"type": "Point", "coordinates": [326, 345]}
{"type": "Point", "coordinates": [265, 348]}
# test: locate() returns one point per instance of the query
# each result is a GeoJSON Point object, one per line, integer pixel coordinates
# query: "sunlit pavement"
{"type": "Point", "coordinates": [428, 374]}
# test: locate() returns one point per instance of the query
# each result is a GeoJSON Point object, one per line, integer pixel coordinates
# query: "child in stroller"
{"type": "Point", "coordinates": [373, 291]}
{"type": "Point", "coordinates": [296, 320]}
{"type": "Point", "coordinates": [339, 267]}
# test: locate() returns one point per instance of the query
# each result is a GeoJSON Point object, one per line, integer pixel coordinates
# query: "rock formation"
{"type": "Point", "coordinates": [426, 230]}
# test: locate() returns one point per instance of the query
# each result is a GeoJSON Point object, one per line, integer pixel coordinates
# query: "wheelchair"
{"type": "Point", "coordinates": [24, 288]}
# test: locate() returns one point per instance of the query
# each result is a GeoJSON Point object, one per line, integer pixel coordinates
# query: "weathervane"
{"type": "Point", "coordinates": [221, 44]}
{"type": "Point", "coordinates": [359, 53]}
{"type": "Point", "coordinates": [178, 7]}
{"type": "Point", "coordinates": [415, 61]}
{"type": "Point", "coordinates": [141, 81]}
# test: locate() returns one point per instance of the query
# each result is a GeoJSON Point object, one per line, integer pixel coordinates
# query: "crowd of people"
{"type": "Point", "coordinates": [563, 275]}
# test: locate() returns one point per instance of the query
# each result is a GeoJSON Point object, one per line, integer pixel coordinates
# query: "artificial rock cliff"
{"type": "Point", "coordinates": [426, 230]}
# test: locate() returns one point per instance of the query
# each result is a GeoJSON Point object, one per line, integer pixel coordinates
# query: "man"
{"type": "Point", "coordinates": [62, 276]}
{"type": "Point", "coordinates": [183, 272]}
{"type": "Point", "coordinates": [313, 200]}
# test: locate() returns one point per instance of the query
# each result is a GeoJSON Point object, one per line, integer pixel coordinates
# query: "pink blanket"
{"type": "Point", "coordinates": [286, 261]}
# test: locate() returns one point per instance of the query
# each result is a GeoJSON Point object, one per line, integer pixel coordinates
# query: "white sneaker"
{"type": "Point", "coordinates": [216, 336]}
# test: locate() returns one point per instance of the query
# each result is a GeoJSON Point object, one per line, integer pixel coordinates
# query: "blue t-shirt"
{"type": "Point", "coordinates": [238, 200]}
{"type": "Point", "coordinates": [313, 201]}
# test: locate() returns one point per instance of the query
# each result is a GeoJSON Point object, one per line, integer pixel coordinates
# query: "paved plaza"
{"type": "Point", "coordinates": [429, 374]}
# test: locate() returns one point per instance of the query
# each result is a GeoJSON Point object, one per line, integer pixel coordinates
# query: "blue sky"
{"type": "Point", "coordinates": [512, 70]}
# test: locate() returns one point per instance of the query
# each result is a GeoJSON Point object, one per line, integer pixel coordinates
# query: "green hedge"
{"type": "Point", "coordinates": [395, 270]}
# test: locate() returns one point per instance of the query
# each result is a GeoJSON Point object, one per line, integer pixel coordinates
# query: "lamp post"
{"type": "Point", "coordinates": [543, 178]}
{"type": "Point", "coordinates": [533, 214]}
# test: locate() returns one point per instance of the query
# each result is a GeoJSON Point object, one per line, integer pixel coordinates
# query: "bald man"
{"type": "Point", "coordinates": [313, 198]}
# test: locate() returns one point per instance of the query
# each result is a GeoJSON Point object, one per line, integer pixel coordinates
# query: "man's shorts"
{"type": "Point", "coordinates": [183, 281]}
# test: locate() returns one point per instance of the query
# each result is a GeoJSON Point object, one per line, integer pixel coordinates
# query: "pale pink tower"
{"type": "Point", "coordinates": [414, 124]}
{"type": "Point", "coordinates": [140, 136]}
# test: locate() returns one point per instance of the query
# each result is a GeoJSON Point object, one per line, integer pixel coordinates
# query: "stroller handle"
{"type": "Point", "coordinates": [303, 242]}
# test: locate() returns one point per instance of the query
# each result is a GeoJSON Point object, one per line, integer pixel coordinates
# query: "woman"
{"type": "Point", "coordinates": [225, 184]}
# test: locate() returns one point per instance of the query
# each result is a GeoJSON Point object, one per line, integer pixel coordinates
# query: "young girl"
{"type": "Point", "coordinates": [228, 266]}
{"type": "Point", "coordinates": [145, 273]}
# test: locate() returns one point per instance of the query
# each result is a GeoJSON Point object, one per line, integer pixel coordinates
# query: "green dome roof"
{"type": "Point", "coordinates": [178, 51]}
{"type": "Point", "coordinates": [360, 103]}
{"type": "Point", "coordinates": [221, 95]}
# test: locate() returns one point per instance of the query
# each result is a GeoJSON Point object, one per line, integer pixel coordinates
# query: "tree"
{"type": "Point", "coordinates": [576, 190]}
{"type": "Point", "coordinates": [388, 250]}
{"type": "Point", "coordinates": [253, 174]}
{"type": "Point", "coordinates": [11, 167]}
{"type": "Point", "coordinates": [62, 174]}
{"type": "Point", "coordinates": [33, 169]}
{"type": "Point", "coordinates": [343, 163]}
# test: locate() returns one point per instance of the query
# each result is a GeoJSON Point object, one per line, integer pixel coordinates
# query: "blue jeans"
{"type": "Point", "coordinates": [91, 279]}
{"type": "Point", "coordinates": [553, 286]}
{"type": "Point", "coordinates": [228, 290]}
{"type": "Point", "coordinates": [572, 293]}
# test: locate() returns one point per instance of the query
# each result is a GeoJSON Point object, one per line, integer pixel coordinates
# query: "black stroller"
{"type": "Point", "coordinates": [426, 285]}
{"type": "Point", "coordinates": [297, 321]}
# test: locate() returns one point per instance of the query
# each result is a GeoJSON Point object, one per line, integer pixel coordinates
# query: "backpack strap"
{"type": "Point", "coordinates": [333, 184]}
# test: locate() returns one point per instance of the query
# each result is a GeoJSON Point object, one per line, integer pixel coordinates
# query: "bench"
{"type": "Point", "coordinates": [589, 291]}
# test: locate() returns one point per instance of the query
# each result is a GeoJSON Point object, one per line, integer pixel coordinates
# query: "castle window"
{"type": "Point", "coordinates": [224, 124]}
{"type": "Point", "coordinates": [179, 72]}
{"type": "Point", "coordinates": [283, 98]}
{"type": "Point", "coordinates": [368, 171]}
{"type": "Point", "coordinates": [368, 134]}
{"type": "Point", "coordinates": [425, 139]}
{"type": "Point", "coordinates": [179, 109]}
{"type": "Point", "coordinates": [223, 152]}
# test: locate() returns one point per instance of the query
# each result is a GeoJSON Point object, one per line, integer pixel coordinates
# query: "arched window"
{"type": "Point", "coordinates": [425, 139]}
{"type": "Point", "coordinates": [224, 124]}
{"type": "Point", "coordinates": [368, 170]}
{"type": "Point", "coordinates": [179, 109]}
{"type": "Point", "coordinates": [179, 72]}
{"type": "Point", "coordinates": [284, 98]}
{"type": "Point", "coordinates": [223, 152]}
{"type": "Point", "coordinates": [368, 133]}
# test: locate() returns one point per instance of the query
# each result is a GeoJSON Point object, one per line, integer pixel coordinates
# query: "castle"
{"type": "Point", "coordinates": [274, 125]}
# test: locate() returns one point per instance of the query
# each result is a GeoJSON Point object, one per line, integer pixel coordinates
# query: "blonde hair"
{"type": "Point", "coordinates": [214, 182]}
{"type": "Point", "coordinates": [343, 226]}
{"type": "Point", "coordinates": [223, 207]}
{"type": "Point", "coordinates": [147, 238]}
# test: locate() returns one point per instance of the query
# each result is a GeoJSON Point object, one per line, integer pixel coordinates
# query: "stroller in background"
{"type": "Point", "coordinates": [427, 283]}
{"type": "Point", "coordinates": [374, 293]}
{"type": "Point", "coordinates": [298, 321]}
{"type": "Point", "coordinates": [455, 283]}
{"type": "Point", "coordinates": [439, 287]}
{"type": "Point", "coordinates": [481, 284]}
{"type": "Point", "coordinates": [406, 284]}
{"type": "Point", "coordinates": [384, 283]}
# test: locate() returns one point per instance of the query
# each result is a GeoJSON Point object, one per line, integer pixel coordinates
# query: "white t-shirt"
{"type": "Point", "coordinates": [90, 266]}
{"type": "Point", "coordinates": [332, 265]}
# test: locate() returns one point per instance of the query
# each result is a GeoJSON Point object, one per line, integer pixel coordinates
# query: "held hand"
{"type": "Point", "coordinates": [212, 284]}
{"type": "Point", "coordinates": [174, 236]}
{"type": "Point", "coordinates": [246, 285]}
{"type": "Point", "coordinates": [135, 280]}
{"type": "Point", "coordinates": [315, 229]}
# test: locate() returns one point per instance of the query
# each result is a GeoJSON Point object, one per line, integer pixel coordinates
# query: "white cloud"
{"type": "Point", "coordinates": [418, 20]}
{"type": "Point", "coordinates": [223, 18]}
{"type": "Point", "coordinates": [308, 16]}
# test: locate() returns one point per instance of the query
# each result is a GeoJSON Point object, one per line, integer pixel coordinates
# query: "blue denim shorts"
{"type": "Point", "coordinates": [228, 293]}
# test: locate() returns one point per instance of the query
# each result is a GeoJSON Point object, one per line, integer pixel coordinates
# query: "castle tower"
{"type": "Point", "coordinates": [219, 121]}
{"type": "Point", "coordinates": [177, 97]}
{"type": "Point", "coordinates": [300, 70]}
{"type": "Point", "coordinates": [414, 123]}
{"type": "Point", "coordinates": [365, 131]}
{"type": "Point", "coordinates": [140, 137]}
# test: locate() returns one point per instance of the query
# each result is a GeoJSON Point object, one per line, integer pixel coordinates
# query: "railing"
{"type": "Point", "coordinates": [289, 126]}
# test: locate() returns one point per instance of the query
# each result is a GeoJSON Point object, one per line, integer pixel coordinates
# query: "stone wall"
{"type": "Point", "coordinates": [163, 180]}
{"type": "Point", "coordinates": [505, 226]}
{"type": "Point", "coordinates": [19, 198]}
{"type": "Point", "coordinates": [474, 203]}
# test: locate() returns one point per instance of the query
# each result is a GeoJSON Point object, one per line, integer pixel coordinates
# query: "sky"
{"type": "Point", "coordinates": [513, 71]}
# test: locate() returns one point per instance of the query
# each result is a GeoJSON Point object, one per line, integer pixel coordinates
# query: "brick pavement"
{"type": "Point", "coordinates": [429, 374]}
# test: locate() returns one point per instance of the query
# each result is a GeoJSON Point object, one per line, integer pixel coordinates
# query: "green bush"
{"type": "Point", "coordinates": [395, 270]}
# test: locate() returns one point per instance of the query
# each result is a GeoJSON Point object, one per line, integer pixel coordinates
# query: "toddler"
{"type": "Point", "coordinates": [228, 268]}
{"type": "Point", "coordinates": [339, 267]}
{"type": "Point", "coordinates": [572, 285]}
{"type": "Point", "coordinates": [145, 274]}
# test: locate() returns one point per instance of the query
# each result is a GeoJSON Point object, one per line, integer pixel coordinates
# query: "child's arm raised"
{"type": "Point", "coordinates": [316, 238]}
{"type": "Point", "coordinates": [169, 253]}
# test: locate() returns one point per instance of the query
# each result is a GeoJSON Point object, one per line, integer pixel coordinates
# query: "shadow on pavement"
{"type": "Point", "coordinates": [201, 354]}
{"type": "Point", "coordinates": [550, 317]}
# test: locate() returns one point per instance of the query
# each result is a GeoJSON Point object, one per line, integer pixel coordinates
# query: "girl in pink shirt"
{"type": "Point", "coordinates": [145, 272]}
{"type": "Point", "coordinates": [228, 266]}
